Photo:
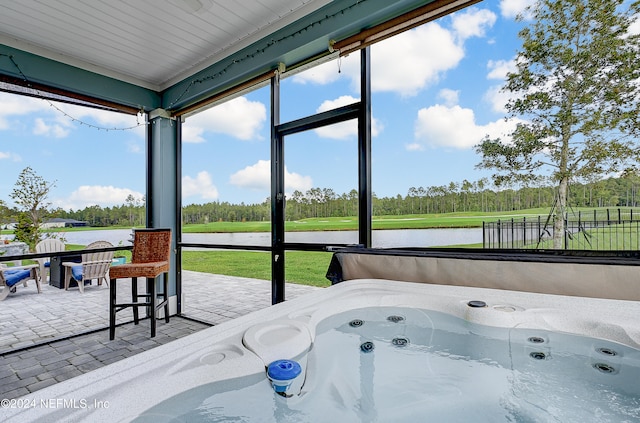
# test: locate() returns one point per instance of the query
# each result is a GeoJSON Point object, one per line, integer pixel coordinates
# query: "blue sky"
{"type": "Point", "coordinates": [435, 95]}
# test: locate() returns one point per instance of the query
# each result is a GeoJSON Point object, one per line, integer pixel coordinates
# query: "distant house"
{"type": "Point", "coordinates": [63, 223]}
{"type": "Point", "coordinates": [10, 225]}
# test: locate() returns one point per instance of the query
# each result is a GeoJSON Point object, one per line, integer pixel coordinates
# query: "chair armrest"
{"type": "Point", "coordinates": [73, 263]}
{"type": "Point", "coordinates": [25, 267]}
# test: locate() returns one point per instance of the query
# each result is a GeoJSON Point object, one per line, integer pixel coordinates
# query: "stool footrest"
{"type": "Point", "coordinates": [153, 301]}
{"type": "Point", "coordinates": [138, 304]}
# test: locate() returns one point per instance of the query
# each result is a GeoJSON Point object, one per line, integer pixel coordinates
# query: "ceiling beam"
{"type": "Point", "coordinates": [39, 73]}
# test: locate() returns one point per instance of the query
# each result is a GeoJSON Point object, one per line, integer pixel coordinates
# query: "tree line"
{"type": "Point", "coordinates": [325, 202]}
{"type": "Point", "coordinates": [32, 208]}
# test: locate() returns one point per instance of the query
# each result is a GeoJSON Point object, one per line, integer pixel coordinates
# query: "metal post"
{"type": "Point", "coordinates": [364, 151]}
{"type": "Point", "coordinates": [513, 235]}
{"type": "Point", "coordinates": [277, 198]}
{"type": "Point", "coordinates": [178, 214]}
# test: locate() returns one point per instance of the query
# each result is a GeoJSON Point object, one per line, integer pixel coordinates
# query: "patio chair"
{"type": "Point", "coordinates": [93, 266]}
{"type": "Point", "coordinates": [11, 277]}
{"type": "Point", "coordinates": [49, 245]}
{"type": "Point", "coordinates": [149, 259]}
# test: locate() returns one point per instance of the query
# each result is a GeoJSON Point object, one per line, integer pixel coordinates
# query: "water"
{"type": "Point", "coordinates": [428, 366]}
{"type": "Point", "coordinates": [381, 239]}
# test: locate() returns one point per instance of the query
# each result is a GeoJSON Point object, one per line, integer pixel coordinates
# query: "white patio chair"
{"type": "Point", "coordinates": [49, 245]}
{"type": "Point", "coordinates": [93, 266]}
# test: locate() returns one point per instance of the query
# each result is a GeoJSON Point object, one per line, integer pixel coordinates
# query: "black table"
{"type": "Point", "coordinates": [56, 270]}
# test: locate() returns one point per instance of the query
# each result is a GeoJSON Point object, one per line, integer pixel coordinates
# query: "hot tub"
{"type": "Point", "coordinates": [378, 350]}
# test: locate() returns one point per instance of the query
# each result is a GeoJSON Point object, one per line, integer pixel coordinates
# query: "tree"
{"type": "Point", "coordinates": [4, 214]}
{"type": "Point", "coordinates": [576, 87]}
{"type": "Point", "coordinates": [30, 195]}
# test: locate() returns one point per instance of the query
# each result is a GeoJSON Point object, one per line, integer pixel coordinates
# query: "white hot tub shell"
{"type": "Point", "coordinates": [242, 347]}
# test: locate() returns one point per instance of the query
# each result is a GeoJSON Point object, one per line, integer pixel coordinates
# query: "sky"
{"type": "Point", "coordinates": [435, 94]}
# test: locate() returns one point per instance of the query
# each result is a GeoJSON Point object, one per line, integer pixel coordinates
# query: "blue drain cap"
{"type": "Point", "coordinates": [284, 370]}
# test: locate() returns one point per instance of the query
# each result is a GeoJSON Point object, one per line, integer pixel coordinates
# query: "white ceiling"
{"type": "Point", "coordinates": [150, 43]}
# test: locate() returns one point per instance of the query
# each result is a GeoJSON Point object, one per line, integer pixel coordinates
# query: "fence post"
{"type": "Point", "coordinates": [513, 235]}
{"type": "Point", "coordinates": [499, 234]}
{"type": "Point", "coordinates": [484, 237]}
{"type": "Point", "coordinates": [566, 226]}
{"type": "Point", "coordinates": [524, 231]}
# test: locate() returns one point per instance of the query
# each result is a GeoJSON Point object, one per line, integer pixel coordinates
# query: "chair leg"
{"type": "Point", "coordinates": [151, 285]}
{"type": "Point", "coordinates": [112, 309]}
{"type": "Point", "coordinates": [134, 297]}
{"type": "Point", "coordinates": [35, 273]}
{"type": "Point", "coordinates": [67, 278]}
{"type": "Point", "coordinates": [166, 297]}
{"type": "Point", "coordinates": [5, 292]}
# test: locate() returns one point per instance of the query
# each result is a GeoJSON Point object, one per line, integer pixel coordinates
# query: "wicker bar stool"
{"type": "Point", "coordinates": [150, 258]}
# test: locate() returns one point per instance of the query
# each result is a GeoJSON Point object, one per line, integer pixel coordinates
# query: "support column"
{"type": "Point", "coordinates": [162, 180]}
{"type": "Point", "coordinates": [364, 151]}
{"type": "Point", "coordinates": [277, 197]}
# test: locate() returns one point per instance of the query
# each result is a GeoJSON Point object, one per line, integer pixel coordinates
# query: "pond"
{"type": "Point", "coordinates": [381, 238]}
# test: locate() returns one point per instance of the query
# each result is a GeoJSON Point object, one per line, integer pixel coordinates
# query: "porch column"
{"type": "Point", "coordinates": [162, 187]}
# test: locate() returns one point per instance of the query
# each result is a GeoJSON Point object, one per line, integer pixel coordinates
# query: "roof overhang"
{"type": "Point", "coordinates": [89, 51]}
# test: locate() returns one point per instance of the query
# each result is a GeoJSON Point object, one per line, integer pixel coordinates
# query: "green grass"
{"type": "Point", "coordinates": [303, 267]}
{"type": "Point", "coordinates": [612, 237]}
{"type": "Point", "coordinates": [413, 221]}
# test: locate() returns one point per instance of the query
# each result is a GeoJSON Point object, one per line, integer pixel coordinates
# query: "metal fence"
{"type": "Point", "coordinates": [609, 229]}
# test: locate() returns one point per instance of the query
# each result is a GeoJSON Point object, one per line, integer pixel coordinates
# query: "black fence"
{"type": "Point", "coordinates": [606, 229]}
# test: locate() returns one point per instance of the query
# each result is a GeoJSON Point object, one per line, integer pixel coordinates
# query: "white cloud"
{"type": "Point", "coordinates": [634, 28]}
{"type": "Point", "coordinates": [202, 185]}
{"type": "Point", "coordinates": [192, 134]}
{"type": "Point", "coordinates": [57, 119]}
{"type": "Point", "coordinates": [258, 177]}
{"type": "Point", "coordinates": [343, 130]}
{"type": "Point", "coordinates": [55, 130]}
{"type": "Point", "coordinates": [498, 69]}
{"type": "Point", "coordinates": [294, 181]}
{"type": "Point", "coordinates": [10, 156]}
{"type": "Point", "coordinates": [449, 96]}
{"type": "Point", "coordinates": [90, 195]}
{"type": "Point", "coordinates": [511, 8]}
{"type": "Point", "coordinates": [328, 72]}
{"type": "Point", "coordinates": [411, 61]}
{"type": "Point", "coordinates": [497, 98]}
{"type": "Point", "coordinates": [16, 105]}
{"type": "Point", "coordinates": [472, 23]}
{"type": "Point", "coordinates": [239, 118]}
{"type": "Point", "coordinates": [455, 127]}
